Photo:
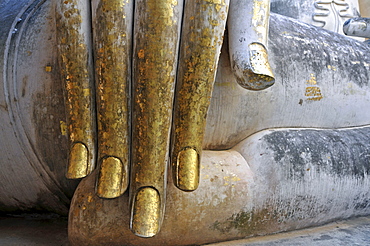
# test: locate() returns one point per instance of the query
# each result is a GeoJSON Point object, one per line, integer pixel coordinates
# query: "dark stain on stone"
{"type": "Point", "coordinates": [316, 50]}
{"type": "Point", "coordinates": [240, 222]}
{"type": "Point", "coordinates": [24, 85]}
{"type": "Point", "coordinates": [343, 152]}
{"type": "Point", "coordinates": [253, 222]}
{"type": "Point", "coordinates": [323, 238]}
{"type": "Point", "coordinates": [349, 232]}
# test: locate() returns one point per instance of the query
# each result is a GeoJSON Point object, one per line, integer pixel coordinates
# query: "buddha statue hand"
{"type": "Point", "coordinates": [154, 67]}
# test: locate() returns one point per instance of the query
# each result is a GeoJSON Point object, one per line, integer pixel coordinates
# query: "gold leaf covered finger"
{"type": "Point", "coordinates": [112, 45]}
{"type": "Point", "coordinates": [201, 41]}
{"type": "Point", "coordinates": [75, 50]}
{"type": "Point", "coordinates": [157, 24]}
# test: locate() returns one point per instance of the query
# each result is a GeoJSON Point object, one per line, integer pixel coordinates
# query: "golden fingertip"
{"type": "Point", "coordinates": [145, 218]}
{"type": "Point", "coordinates": [187, 177]}
{"type": "Point", "coordinates": [111, 183]}
{"type": "Point", "coordinates": [78, 166]}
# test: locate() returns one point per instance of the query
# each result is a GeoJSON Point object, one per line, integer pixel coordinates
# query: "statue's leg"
{"type": "Point", "coordinates": [201, 40]}
{"type": "Point", "coordinates": [248, 36]}
{"type": "Point", "coordinates": [75, 50]}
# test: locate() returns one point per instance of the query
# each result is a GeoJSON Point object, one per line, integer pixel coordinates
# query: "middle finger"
{"type": "Point", "coordinates": [157, 24]}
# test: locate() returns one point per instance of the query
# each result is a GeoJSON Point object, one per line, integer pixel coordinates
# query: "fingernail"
{"type": "Point", "coordinates": [188, 169]}
{"type": "Point", "coordinates": [259, 62]}
{"type": "Point", "coordinates": [78, 161]}
{"type": "Point", "coordinates": [110, 182]}
{"type": "Point", "coordinates": [145, 218]}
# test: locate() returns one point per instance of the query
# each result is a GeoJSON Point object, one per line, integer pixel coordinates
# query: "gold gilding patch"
{"type": "Point", "coordinates": [312, 80]}
{"type": "Point", "coordinates": [258, 75]}
{"type": "Point", "coordinates": [261, 11]}
{"type": "Point", "coordinates": [218, 4]}
{"type": "Point", "coordinates": [63, 128]}
{"type": "Point", "coordinates": [330, 67]}
{"type": "Point", "coordinates": [48, 68]}
{"type": "Point", "coordinates": [110, 183]}
{"type": "Point", "coordinates": [313, 93]}
{"type": "Point", "coordinates": [188, 170]}
{"type": "Point", "coordinates": [216, 1]}
{"type": "Point", "coordinates": [78, 161]}
{"type": "Point", "coordinates": [259, 62]}
{"type": "Point", "coordinates": [141, 54]}
{"type": "Point", "coordinates": [146, 212]}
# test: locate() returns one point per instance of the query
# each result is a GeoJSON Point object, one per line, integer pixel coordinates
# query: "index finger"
{"type": "Point", "coordinates": [75, 49]}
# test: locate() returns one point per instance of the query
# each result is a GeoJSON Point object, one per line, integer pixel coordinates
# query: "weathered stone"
{"type": "Point", "coordinates": [289, 179]}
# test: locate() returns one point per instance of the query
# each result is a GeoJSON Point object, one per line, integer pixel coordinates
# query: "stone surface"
{"type": "Point", "coordinates": [365, 8]}
{"type": "Point", "coordinates": [288, 179]}
{"type": "Point", "coordinates": [33, 141]}
{"type": "Point", "coordinates": [329, 15]}
{"type": "Point", "coordinates": [321, 81]}
{"type": "Point", "coordinates": [286, 182]}
{"type": "Point", "coordinates": [341, 233]}
{"type": "Point", "coordinates": [190, 218]}
{"type": "Point", "coordinates": [33, 230]}
{"type": "Point", "coordinates": [39, 230]}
